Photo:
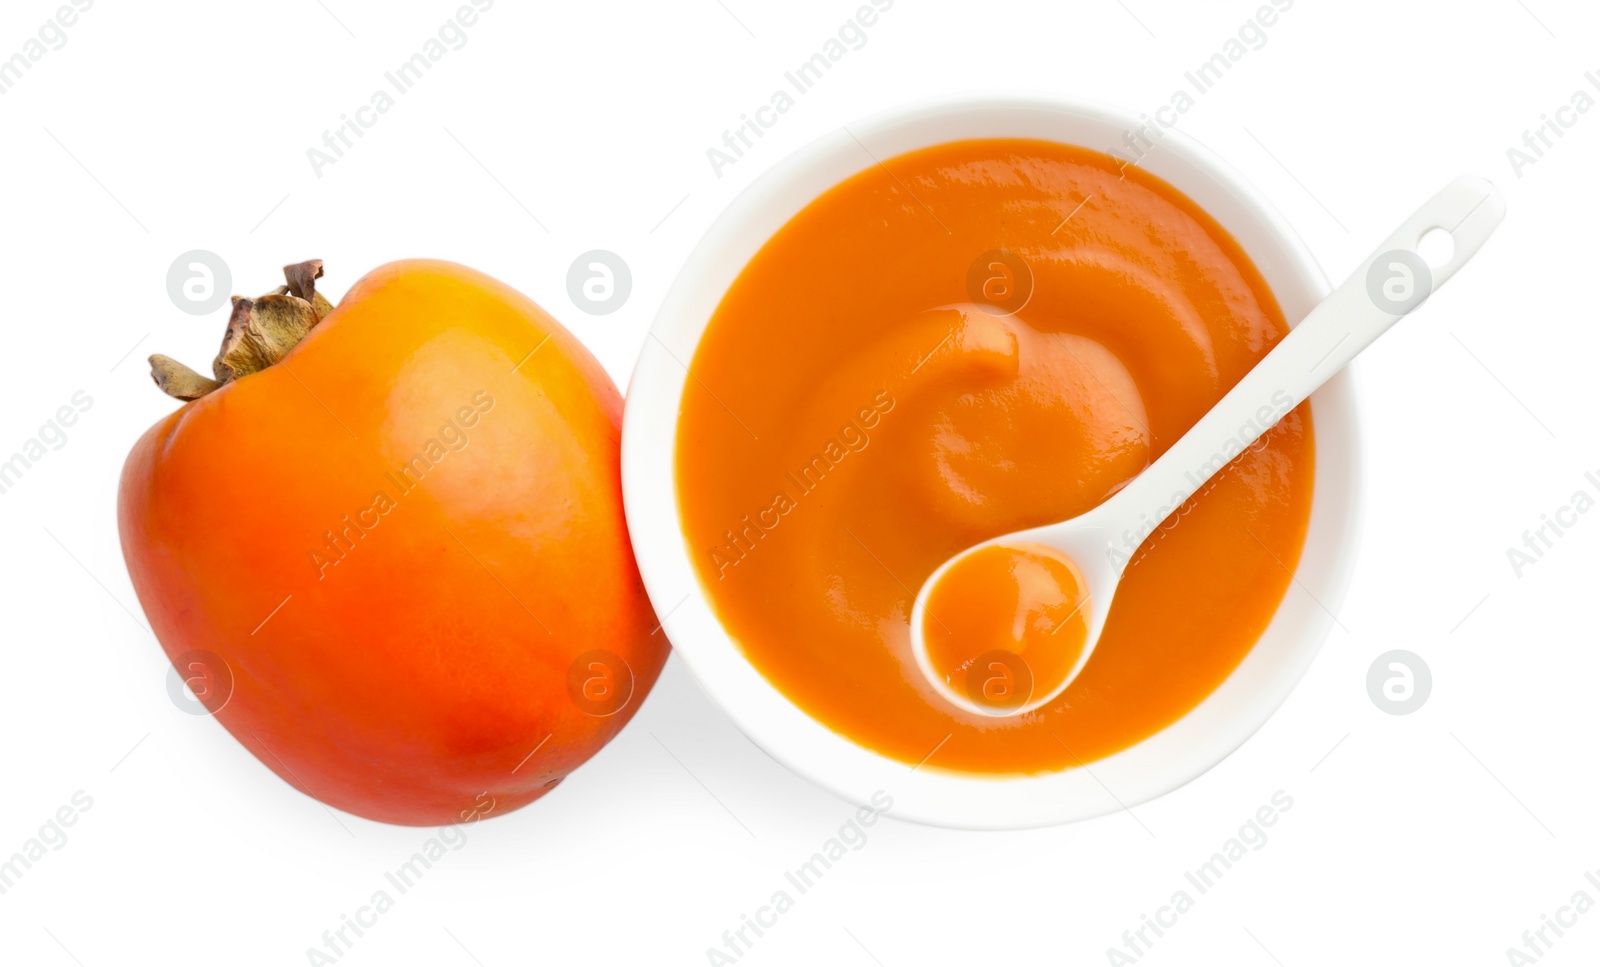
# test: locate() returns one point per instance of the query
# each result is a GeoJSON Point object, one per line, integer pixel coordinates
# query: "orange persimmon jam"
{"type": "Point", "coordinates": [853, 420]}
{"type": "Point", "coordinates": [1006, 623]}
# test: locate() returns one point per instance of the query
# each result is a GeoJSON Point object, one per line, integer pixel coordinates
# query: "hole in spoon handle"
{"type": "Point", "coordinates": [1399, 278]}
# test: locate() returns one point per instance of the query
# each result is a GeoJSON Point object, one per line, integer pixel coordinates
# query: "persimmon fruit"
{"type": "Point", "coordinates": [397, 527]}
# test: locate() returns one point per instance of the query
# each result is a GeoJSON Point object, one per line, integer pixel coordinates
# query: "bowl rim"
{"type": "Point", "coordinates": [1160, 763]}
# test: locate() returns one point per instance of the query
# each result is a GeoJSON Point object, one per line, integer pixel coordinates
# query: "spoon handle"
{"type": "Point", "coordinates": [1390, 283]}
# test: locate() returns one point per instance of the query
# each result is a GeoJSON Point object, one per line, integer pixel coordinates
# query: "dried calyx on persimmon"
{"type": "Point", "coordinates": [260, 332]}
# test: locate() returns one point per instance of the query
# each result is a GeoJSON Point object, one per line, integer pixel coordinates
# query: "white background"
{"type": "Point", "coordinates": [1436, 837]}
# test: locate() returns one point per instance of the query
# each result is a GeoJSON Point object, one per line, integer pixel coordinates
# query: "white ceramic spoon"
{"type": "Point", "coordinates": [1388, 285]}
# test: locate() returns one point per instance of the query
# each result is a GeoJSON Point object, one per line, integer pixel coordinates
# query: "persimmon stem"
{"type": "Point", "coordinates": [260, 332]}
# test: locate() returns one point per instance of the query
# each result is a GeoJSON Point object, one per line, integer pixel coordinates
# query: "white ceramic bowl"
{"type": "Point", "coordinates": [1155, 766]}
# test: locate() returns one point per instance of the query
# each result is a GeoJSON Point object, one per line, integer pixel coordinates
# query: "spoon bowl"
{"type": "Point", "coordinates": [1002, 685]}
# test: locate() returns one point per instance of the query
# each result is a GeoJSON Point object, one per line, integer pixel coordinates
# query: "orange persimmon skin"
{"type": "Point", "coordinates": [400, 539]}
